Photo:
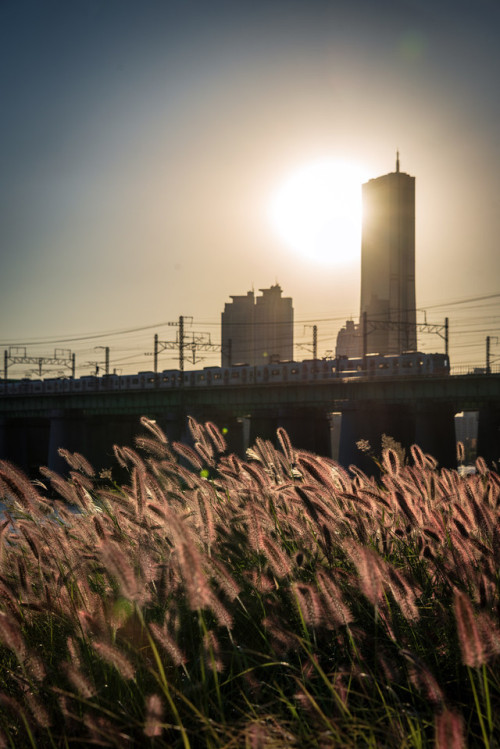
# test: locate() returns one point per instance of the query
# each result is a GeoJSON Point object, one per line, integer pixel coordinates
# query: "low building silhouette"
{"type": "Point", "coordinates": [349, 340]}
{"type": "Point", "coordinates": [257, 330]}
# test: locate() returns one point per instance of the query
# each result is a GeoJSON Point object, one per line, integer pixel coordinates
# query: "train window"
{"type": "Point", "coordinates": [275, 372]}
{"type": "Point", "coordinates": [166, 379]}
{"type": "Point", "coordinates": [217, 376]}
{"type": "Point", "coordinates": [294, 371]}
{"type": "Point", "coordinates": [135, 380]}
{"type": "Point", "coordinates": [235, 375]}
{"type": "Point", "coordinates": [201, 378]}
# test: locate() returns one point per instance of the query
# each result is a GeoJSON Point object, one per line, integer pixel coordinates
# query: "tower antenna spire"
{"type": "Point", "coordinates": [397, 161]}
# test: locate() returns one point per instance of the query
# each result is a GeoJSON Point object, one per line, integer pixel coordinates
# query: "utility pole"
{"type": "Point", "coordinates": [365, 337]}
{"type": "Point", "coordinates": [181, 343]}
{"type": "Point", "coordinates": [489, 360]}
{"type": "Point", "coordinates": [194, 342]}
{"type": "Point", "coordinates": [314, 348]}
{"type": "Point", "coordinates": [17, 355]}
{"type": "Point", "coordinates": [106, 359]}
{"type": "Point", "coordinates": [369, 325]}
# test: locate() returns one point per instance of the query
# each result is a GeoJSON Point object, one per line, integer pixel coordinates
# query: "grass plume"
{"type": "Point", "coordinates": [276, 601]}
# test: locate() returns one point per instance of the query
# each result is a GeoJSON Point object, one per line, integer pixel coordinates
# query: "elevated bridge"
{"type": "Point", "coordinates": [325, 417]}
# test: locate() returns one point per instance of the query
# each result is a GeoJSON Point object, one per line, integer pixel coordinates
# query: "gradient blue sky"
{"type": "Point", "coordinates": [141, 142]}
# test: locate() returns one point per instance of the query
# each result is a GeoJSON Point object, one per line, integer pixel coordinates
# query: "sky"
{"type": "Point", "coordinates": [142, 142]}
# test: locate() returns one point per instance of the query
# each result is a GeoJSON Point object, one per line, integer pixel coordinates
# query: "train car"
{"type": "Point", "coordinates": [169, 378]}
{"type": "Point", "coordinates": [213, 376]}
{"type": "Point", "coordinates": [238, 374]}
{"type": "Point", "coordinates": [20, 387]}
{"type": "Point", "coordinates": [291, 371]}
{"type": "Point", "coordinates": [12, 387]}
{"type": "Point", "coordinates": [189, 378]}
{"type": "Point", "coordinates": [130, 382]}
{"type": "Point", "coordinates": [110, 382]}
{"type": "Point", "coordinates": [411, 363]}
{"type": "Point", "coordinates": [76, 386]}
{"type": "Point", "coordinates": [207, 377]}
{"type": "Point", "coordinates": [318, 369]}
{"type": "Point", "coordinates": [438, 364]}
{"type": "Point", "coordinates": [89, 383]}
{"type": "Point", "coordinates": [147, 380]}
{"type": "Point", "coordinates": [53, 385]}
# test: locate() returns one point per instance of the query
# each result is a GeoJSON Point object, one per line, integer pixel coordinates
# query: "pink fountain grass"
{"type": "Point", "coordinates": [276, 601]}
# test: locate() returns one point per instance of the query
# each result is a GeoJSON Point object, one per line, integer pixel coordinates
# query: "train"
{"type": "Point", "coordinates": [310, 371]}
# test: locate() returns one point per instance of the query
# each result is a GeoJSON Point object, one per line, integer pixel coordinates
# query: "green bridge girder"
{"type": "Point", "coordinates": [464, 392]}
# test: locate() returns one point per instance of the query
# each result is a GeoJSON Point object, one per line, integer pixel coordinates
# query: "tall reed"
{"type": "Point", "coordinates": [274, 602]}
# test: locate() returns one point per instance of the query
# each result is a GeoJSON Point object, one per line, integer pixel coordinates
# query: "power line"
{"type": "Point", "coordinates": [38, 342]}
{"type": "Point", "coordinates": [459, 301]}
{"type": "Point", "coordinates": [140, 329]}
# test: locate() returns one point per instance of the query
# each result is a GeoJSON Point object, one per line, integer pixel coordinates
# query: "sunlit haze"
{"type": "Point", "coordinates": [317, 212]}
{"type": "Point", "coordinates": [158, 157]}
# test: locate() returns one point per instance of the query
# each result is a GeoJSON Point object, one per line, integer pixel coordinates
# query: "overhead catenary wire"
{"type": "Point", "coordinates": [469, 318]}
{"type": "Point", "coordinates": [143, 328]}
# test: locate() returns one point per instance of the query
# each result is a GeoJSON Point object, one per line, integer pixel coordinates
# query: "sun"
{"type": "Point", "coordinates": [316, 211]}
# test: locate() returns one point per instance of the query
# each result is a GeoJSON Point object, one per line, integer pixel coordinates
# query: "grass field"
{"type": "Point", "coordinates": [281, 601]}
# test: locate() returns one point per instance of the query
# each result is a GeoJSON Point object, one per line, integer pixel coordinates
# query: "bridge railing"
{"type": "Point", "coordinates": [472, 370]}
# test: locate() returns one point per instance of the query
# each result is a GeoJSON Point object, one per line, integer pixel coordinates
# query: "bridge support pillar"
{"type": "Point", "coordinates": [435, 433]}
{"type": "Point", "coordinates": [335, 424]}
{"type": "Point", "coordinates": [263, 426]}
{"type": "Point", "coordinates": [24, 443]}
{"type": "Point", "coordinates": [366, 423]}
{"type": "Point", "coordinates": [308, 429]}
{"type": "Point", "coordinates": [246, 426]}
{"type": "Point", "coordinates": [66, 430]}
{"type": "Point", "coordinates": [488, 436]}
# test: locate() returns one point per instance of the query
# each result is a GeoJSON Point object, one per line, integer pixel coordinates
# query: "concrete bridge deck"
{"type": "Point", "coordinates": [411, 409]}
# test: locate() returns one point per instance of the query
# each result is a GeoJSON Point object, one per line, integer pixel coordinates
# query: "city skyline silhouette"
{"type": "Point", "coordinates": [141, 148]}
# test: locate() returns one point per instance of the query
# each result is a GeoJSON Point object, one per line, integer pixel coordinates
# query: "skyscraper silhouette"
{"type": "Point", "coordinates": [388, 263]}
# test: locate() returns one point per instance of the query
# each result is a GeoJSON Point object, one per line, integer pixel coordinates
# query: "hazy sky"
{"type": "Point", "coordinates": [141, 143]}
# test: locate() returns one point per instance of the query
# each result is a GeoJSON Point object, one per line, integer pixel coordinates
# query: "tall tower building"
{"type": "Point", "coordinates": [237, 330]}
{"type": "Point", "coordinates": [388, 263]}
{"type": "Point", "coordinates": [257, 330]}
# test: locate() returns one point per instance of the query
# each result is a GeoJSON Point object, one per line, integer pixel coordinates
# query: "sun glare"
{"type": "Point", "coordinates": [316, 211]}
